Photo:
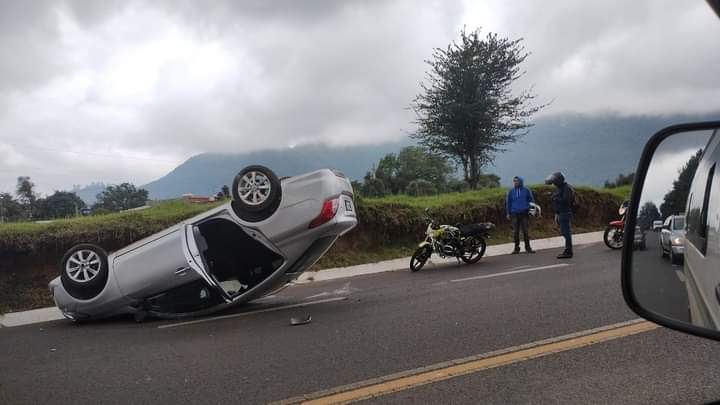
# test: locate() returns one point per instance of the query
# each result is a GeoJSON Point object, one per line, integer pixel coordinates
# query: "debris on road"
{"type": "Point", "coordinates": [300, 320]}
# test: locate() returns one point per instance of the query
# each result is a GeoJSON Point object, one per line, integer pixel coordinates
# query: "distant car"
{"type": "Point", "coordinates": [267, 235]}
{"type": "Point", "coordinates": [639, 239]}
{"type": "Point", "coordinates": [672, 238]}
{"type": "Point", "coordinates": [657, 225]}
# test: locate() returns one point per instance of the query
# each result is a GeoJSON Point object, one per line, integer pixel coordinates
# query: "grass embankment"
{"type": "Point", "coordinates": [389, 228]}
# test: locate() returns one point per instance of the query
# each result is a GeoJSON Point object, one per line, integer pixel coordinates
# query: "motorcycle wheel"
{"type": "Point", "coordinates": [613, 237]}
{"type": "Point", "coordinates": [419, 258]}
{"type": "Point", "coordinates": [478, 251]}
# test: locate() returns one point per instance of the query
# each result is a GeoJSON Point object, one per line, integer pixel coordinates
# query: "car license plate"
{"type": "Point", "coordinates": [348, 205]}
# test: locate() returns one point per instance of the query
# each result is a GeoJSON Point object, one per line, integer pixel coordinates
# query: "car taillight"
{"type": "Point", "coordinates": [329, 209]}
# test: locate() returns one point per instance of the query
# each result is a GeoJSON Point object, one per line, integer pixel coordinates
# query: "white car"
{"type": "Point", "coordinates": [672, 238]}
{"type": "Point", "coordinates": [269, 233]}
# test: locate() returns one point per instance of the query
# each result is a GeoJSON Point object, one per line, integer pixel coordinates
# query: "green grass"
{"type": "Point", "coordinates": [122, 227]}
{"type": "Point", "coordinates": [440, 200]}
{"type": "Point", "coordinates": [621, 192]}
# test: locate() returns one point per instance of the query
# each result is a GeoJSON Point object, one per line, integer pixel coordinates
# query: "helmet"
{"type": "Point", "coordinates": [556, 178]}
{"type": "Point", "coordinates": [535, 210]}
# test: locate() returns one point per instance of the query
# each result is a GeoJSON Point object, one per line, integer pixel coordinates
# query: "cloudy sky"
{"type": "Point", "coordinates": [125, 91]}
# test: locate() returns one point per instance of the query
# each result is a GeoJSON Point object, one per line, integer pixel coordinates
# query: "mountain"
{"type": "Point", "coordinates": [89, 193]}
{"type": "Point", "coordinates": [205, 174]}
{"type": "Point", "coordinates": [588, 149]}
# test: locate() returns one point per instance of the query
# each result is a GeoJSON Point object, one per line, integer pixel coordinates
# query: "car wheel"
{"type": "Point", "coordinates": [675, 259]}
{"type": "Point", "coordinates": [84, 271]}
{"type": "Point", "coordinates": [256, 193]}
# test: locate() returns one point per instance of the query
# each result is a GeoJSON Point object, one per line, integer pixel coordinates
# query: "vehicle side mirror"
{"type": "Point", "coordinates": [675, 282]}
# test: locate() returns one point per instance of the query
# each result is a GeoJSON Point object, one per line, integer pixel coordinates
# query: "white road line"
{"type": "Point", "coordinates": [259, 311]}
{"type": "Point", "coordinates": [680, 275]}
{"type": "Point", "coordinates": [507, 273]}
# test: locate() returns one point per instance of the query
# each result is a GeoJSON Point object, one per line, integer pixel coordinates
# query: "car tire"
{"type": "Point", "coordinates": [256, 193]}
{"type": "Point", "coordinates": [84, 271]}
{"type": "Point", "coordinates": [675, 259]}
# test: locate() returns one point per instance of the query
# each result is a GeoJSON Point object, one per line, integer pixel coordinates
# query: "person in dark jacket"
{"type": "Point", "coordinates": [518, 207]}
{"type": "Point", "coordinates": [563, 199]}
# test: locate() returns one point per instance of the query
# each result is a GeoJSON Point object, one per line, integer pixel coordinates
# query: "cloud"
{"type": "Point", "coordinates": [124, 91]}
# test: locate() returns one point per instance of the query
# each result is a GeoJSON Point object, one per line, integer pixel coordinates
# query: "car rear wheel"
{"type": "Point", "coordinates": [84, 271]}
{"type": "Point", "coordinates": [256, 193]}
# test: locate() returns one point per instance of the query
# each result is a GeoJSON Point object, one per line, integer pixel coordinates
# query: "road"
{"type": "Point", "coordinates": [373, 326]}
{"type": "Point", "coordinates": [659, 284]}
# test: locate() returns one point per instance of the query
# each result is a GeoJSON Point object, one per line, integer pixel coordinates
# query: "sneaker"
{"type": "Point", "coordinates": [516, 251]}
{"type": "Point", "coordinates": [529, 250]}
{"type": "Point", "coordinates": [565, 255]}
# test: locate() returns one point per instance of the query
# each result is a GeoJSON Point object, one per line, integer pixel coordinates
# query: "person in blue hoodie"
{"type": "Point", "coordinates": [518, 207]}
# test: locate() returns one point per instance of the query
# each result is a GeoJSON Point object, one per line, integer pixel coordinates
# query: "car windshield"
{"type": "Point", "coordinates": [388, 201]}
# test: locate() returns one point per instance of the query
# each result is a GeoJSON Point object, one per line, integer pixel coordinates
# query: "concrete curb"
{"type": "Point", "coordinates": [29, 317]}
{"type": "Point", "coordinates": [52, 313]}
{"type": "Point", "coordinates": [404, 263]}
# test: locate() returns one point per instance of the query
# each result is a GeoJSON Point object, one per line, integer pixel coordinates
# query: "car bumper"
{"type": "Point", "coordinates": [678, 250]}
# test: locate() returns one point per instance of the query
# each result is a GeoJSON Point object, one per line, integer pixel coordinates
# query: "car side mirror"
{"type": "Point", "coordinates": [676, 283]}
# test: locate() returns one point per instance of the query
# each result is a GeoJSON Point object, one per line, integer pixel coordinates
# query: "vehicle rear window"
{"type": "Point", "coordinates": [679, 223]}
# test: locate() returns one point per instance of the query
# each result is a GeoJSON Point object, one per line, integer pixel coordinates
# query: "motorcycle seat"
{"type": "Point", "coordinates": [476, 229]}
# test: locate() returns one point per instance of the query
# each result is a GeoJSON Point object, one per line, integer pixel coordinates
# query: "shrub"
{"type": "Point", "coordinates": [420, 187]}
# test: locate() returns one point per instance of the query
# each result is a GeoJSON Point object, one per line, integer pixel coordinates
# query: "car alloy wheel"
{"type": "Point", "coordinates": [83, 266]}
{"type": "Point", "coordinates": [254, 188]}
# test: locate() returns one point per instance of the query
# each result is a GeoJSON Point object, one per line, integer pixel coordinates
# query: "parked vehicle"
{"type": "Point", "coordinates": [702, 238]}
{"type": "Point", "coordinates": [615, 231]}
{"type": "Point", "coordinates": [267, 235]}
{"type": "Point", "coordinates": [657, 225]}
{"type": "Point", "coordinates": [672, 238]}
{"type": "Point", "coordinates": [464, 242]}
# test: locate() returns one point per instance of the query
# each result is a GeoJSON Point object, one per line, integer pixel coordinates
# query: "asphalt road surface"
{"type": "Point", "coordinates": [659, 284]}
{"type": "Point", "coordinates": [373, 326]}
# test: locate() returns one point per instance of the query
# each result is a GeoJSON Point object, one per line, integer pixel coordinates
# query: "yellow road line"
{"type": "Point", "coordinates": [447, 370]}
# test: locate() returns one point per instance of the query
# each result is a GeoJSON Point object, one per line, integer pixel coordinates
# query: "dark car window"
{"type": "Point", "coordinates": [679, 223]}
{"type": "Point", "coordinates": [698, 213]}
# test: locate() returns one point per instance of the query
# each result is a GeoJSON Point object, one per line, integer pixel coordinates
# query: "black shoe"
{"type": "Point", "coordinates": [516, 251]}
{"type": "Point", "coordinates": [565, 255]}
{"type": "Point", "coordinates": [529, 250]}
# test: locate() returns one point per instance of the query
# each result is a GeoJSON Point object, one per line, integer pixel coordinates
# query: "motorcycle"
{"type": "Point", "coordinates": [615, 231]}
{"type": "Point", "coordinates": [464, 242]}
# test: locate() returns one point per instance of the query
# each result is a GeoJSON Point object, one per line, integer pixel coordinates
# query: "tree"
{"type": "Point", "coordinates": [675, 200]}
{"type": "Point", "coordinates": [25, 191]}
{"type": "Point", "coordinates": [61, 204]}
{"type": "Point", "coordinates": [621, 180]}
{"type": "Point", "coordinates": [373, 187]}
{"type": "Point", "coordinates": [410, 164]}
{"type": "Point", "coordinates": [420, 187]}
{"type": "Point", "coordinates": [10, 210]}
{"type": "Point", "coordinates": [648, 213]}
{"type": "Point", "coordinates": [466, 110]}
{"type": "Point", "coordinates": [122, 197]}
{"type": "Point", "coordinates": [225, 191]}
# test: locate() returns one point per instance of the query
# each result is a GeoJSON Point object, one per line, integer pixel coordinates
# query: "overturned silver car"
{"type": "Point", "coordinates": [271, 231]}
